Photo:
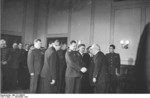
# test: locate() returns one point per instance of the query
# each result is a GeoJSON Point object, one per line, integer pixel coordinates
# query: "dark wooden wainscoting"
{"type": "Point", "coordinates": [10, 39]}
{"type": "Point", "coordinates": [126, 79]}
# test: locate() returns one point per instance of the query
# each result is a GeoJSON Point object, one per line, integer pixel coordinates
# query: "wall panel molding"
{"type": "Point", "coordinates": [65, 34]}
{"type": "Point", "coordinates": [69, 25]}
{"type": "Point", "coordinates": [36, 15]}
{"type": "Point", "coordinates": [123, 19]}
{"type": "Point", "coordinates": [112, 20]}
{"type": "Point", "coordinates": [129, 2]}
{"type": "Point", "coordinates": [46, 23]}
{"type": "Point", "coordinates": [12, 33]}
{"type": "Point", "coordinates": [22, 33]}
{"type": "Point", "coordinates": [147, 14]}
{"type": "Point", "coordinates": [142, 5]}
{"type": "Point", "coordinates": [57, 21]}
{"type": "Point", "coordinates": [56, 35]}
{"type": "Point", "coordinates": [91, 37]}
{"type": "Point", "coordinates": [24, 20]}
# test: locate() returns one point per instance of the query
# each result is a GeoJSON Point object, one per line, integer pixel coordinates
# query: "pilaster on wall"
{"type": "Point", "coordinates": [29, 27]}
{"type": "Point", "coordinates": [69, 25]}
{"type": "Point", "coordinates": [24, 20]}
{"type": "Point", "coordinates": [92, 22]}
{"type": "Point", "coordinates": [36, 15]}
{"type": "Point", "coordinates": [102, 20]}
{"type": "Point", "coordinates": [1, 6]}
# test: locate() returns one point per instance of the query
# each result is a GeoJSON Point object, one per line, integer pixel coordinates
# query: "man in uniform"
{"type": "Point", "coordinates": [35, 63]}
{"type": "Point", "coordinates": [113, 62]}
{"type": "Point", "coordinates": [74, 70]}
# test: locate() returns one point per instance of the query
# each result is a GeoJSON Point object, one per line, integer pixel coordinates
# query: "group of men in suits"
{"type": "Point", "coordinates": [91, 72]}
{"type": "Point", "coordinates": [46, 68]}
{"type": "Point", "coordinates": [13, 67]}
{"type": "Point", "coordinates": [73, 70]}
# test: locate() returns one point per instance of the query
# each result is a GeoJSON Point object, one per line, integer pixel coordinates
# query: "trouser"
{"type": "Point", "coordinates": [6, 79]}
{"type": "Point", "coordinates": [46, 87]}
{"type": "Point", "coordinates": [34, 83]}
{"type": "Point", "coordinates": [100, 88]}
{"type": "Point", "coordinates": [113, 84]}
{"type": "Point", "coordinates": [14, 78]}
{"type": "Point", "coordinates": [24, 78]}
{"type": "Point", "coordinates": [85, 84]}
{"type": "Point", "coordinates": [1, 80]}
{"type": "Point", "coordinates": [61, 84]}
{"type": "Point", "coordinates": [73, 85]}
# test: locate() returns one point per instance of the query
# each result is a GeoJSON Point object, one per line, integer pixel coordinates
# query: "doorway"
{"type": "Point", "coordinates": [61, 39]}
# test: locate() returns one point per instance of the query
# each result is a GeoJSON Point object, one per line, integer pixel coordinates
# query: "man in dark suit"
{"type": "Point", "coordinates": [85, 84]}
{"type": "Point", "coordinates": [23, 73]}
{"type": "Point", "coordinates": [74, 70]}
{"type": "Point", "coordinates": [62, 68]}
{"type": "Point", "coordinates": [49, 73]}
{"type": "Point", "coordinates": [35, 64]}
{"type": "Point", "coordinates": [14, 66]}
{"type": "Point", "coordinates": [113, 62]}
{"type": "Point", "coordinates": [100, 69]}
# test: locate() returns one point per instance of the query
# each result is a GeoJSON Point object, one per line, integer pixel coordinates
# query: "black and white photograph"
{"type": "Point", "coordinates": [74, 47]}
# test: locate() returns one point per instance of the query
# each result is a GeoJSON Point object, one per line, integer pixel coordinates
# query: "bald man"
{"type": "Point", "coordinates": [100, 69]}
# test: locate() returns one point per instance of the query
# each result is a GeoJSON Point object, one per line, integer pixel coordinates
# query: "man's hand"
{"type": "Point", "coordinates": [94, 80]}
{"type": "Point", "coordinates": [117, 74]}
{"type": "Point", "coordinates": [31, 74]}
{"type": "Point", "coordinates": [4, 62]}
{"type": "Point", "coordinates": [52, 82]}
{"type": "Point", "coordinates": [83, 69]}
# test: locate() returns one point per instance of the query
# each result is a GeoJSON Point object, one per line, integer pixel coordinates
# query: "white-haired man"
{"type": "Point", "coordinates": [100, 70]}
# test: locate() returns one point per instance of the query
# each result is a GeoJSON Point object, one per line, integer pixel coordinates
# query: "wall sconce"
{"type": "Point", "coordinates": [124, 44]}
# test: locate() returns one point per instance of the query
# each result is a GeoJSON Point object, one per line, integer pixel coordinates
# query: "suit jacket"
{"type": "Point", "coordinates": [35, 61]}
{"type": "Point", "coordinates": [113, 62]}
{"type": "Point", "coordinates": [15, 59]}
{"type": "Point", "coordinates": [74, 64]}
{"type": "Point", "coordinates": [89, 65]}
{"type": "Point", "coordinates": [100, 68]}
{"type": "Point", "coordinates": [50, 68]}
{"type": "Point", "coordinates": [62, 61]}
{"type": "Point", "coordinates": [87, 60]}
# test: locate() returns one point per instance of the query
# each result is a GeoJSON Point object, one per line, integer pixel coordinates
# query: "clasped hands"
{"type": "Point", "coordinates": [83, 69]}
